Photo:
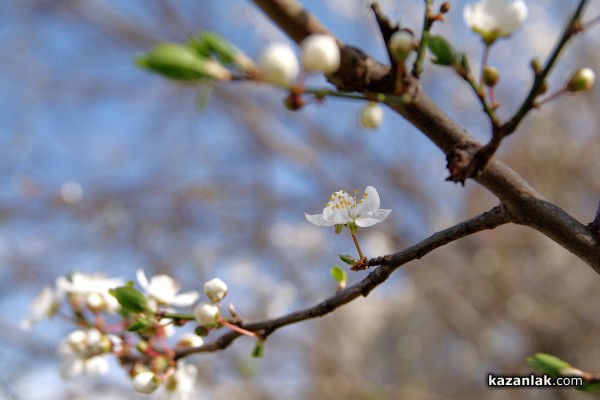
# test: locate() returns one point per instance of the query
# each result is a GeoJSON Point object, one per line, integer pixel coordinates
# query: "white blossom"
{"type": "Point", "coordinates": [85, 352]}
{"type": "Point", "coordinates": [279, 64]}
{"type": "Point", "coordinates": [145, 382]}
{"type": "Point", "coordinates": [163, 290]}
{"type": "Point", "coordinates": [206, 314]}
{"type": "Point", "coordinates": [92, 289]}
{"type": "Point", "coordinates": [180, 385]}
{"type": "Point", "coordinates": [215, 289]}
{"type": "Point", "coordinates": [343, 208]}
{"type": "Point", "coordinates": [371, 116]}
{"type": "Point", "coordinates": [494, 19]}
{"type": "Point", "coordinates": [320, 53]}
{"type": "Point", "coordinates": [44, 305]}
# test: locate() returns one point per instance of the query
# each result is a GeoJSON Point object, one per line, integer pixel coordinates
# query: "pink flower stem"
{"type": "Point", "coordinates": [236, 328]}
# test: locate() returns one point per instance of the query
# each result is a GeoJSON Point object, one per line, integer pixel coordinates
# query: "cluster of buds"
{"type": "Point", "coordinates": [279, 64]}
{"type": "Point", "coordinates": [135, 326]}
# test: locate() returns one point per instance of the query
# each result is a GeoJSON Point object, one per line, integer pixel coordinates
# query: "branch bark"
{"type": "Point", "coordinates": [387, 265]}
{"type": "Point", "coordinates": [361, 73]}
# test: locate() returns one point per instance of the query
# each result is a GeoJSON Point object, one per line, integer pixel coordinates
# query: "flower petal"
{"type": "Point", "coordinates": [372, 218]}
{"type": "Point", "coordinates": [318, 220]}
{"type": "Point", "coordinates": [142, 279]}
{"type": "Point", "coordinates": [370, 201]}
{"type": "Point", "coordinates": [185, 299]}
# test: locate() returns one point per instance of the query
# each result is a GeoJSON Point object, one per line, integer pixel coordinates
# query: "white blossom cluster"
{"type": "Point", "coordinates": [115, 319]}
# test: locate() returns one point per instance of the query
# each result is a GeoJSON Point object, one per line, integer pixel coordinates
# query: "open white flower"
{"type": "Point", "coordinates": [85, 352]}
{"type": "Point", "coordinates": [44, 305]}
{"type": "Point", "coordinates": [343, 208]}
{"type": "Point", "coordinates": [180, 385]}
{"type": "Point", "coordinates": [92, 290]}
{"type": "Point", "coordinates": [163, 290]}
{"type": "Point", "coordinates": [494, 19]}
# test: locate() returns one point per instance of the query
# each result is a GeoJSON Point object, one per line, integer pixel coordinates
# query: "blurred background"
{"type": "Point", "coordinates": [107, 168]}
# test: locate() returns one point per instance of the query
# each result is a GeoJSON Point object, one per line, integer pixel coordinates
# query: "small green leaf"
{"type": "Point", "coordinates": [548, 364]}
{"type": "Point", "coordinates": [338, 228]}
{"type": "Point", "coordinates": [215, 44]}
{"type": "Point", "coordinates": [347, 258]}
{"type": "Point", "coordinates": [340, 276]}
{"type": "Point", "coordinates": [181, 63]}
{"type": "Point", "coordinates": [138, 326]}
{"type": "Point", "coordinates": [259, 349]}
{"type": "Point", "coordinates": [130, 299]}
{"type": "Point", "coordinates": [442, 49]}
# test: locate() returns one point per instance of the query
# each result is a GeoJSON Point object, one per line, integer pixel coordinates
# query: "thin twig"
{"type": "Point", "coordinates": [573, 27]}
{"type": "Point", "coordinates": [387, 265]}
{"type": "Point", "coordinates": [427, 23]}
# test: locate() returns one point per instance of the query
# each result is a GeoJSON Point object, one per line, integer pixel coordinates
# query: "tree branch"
{"type": "Point", "coordinates": [387, 265]}
{"type": "Point", "coordinates": [361, 73]}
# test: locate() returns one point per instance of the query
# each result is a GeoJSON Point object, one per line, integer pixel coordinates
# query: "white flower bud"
{"type": "Point", "coordinates": [279, 64]}
{"type": "Point", "coordinates": [145, 382]}
{"type": "Point", "coordinates": [320, 53]}
{"type": "Point", "coordinates": [215, 289]}
{"type": "Point", "coordinates": [371, 116]}
{"type": "Point", "coordinates": [581, 80]}
{"type": "Point", "coordinates": [77, 340]}
{"type": "Point", "coordinates": [206, 314]}
{"type": "Point", "coordinates": [189, 340]}
{"type": "Point", "coordinates": [400, 45]}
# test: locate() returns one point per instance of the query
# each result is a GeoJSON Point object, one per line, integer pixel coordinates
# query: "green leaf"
{"type": "Point", "coordinates": [338, 228]}
{"type": "Point", "coordinates": [130, 299]}
{"type": "Point", "coordinates": [139, 325]}
{"type": "Point", "coordinates": [347, 258]}
{"type": "Point", "coordinates": [338, 274]}
{"type": "Point", "coordinates": [214, 44]}
{"type": "Point", "coordinates": [442, 49]}
{"type": "Point", "coordinates": [548, 364]}
{"type": "Point", "coordinates": [181, 63]}
{"type": "Point", "coordinates": [259, 349]}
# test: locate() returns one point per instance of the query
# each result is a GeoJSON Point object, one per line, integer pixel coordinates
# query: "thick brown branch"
{"type": "Point", "coordinates": [387, 264]}
{"type": "Point", "coordinates": [363, 74]}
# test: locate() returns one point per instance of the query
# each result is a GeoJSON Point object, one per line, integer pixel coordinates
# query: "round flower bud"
{"type": "Point", "coordinates": [206, 314]}
{"type": "Point", "coordinates": [215, 289]}
{"type": "Point", "coordinates": [279, 64]}
{"type": "Point", "coordinates": [581, 80]}
{"type": "Point", "coordinates": [188, 340]}
{"type": "Point", "coordinates": [145, 382]}
{"type": "Point", "coordinates": [400, 45]}
{"type": "Point", "coordinates": [491, 76]}
{"type": "Point", "coordinates": [320, 53]}
{"type": "Point", "coordinates": [371, 116]}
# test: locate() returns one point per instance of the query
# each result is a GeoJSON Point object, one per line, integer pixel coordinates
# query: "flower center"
{"type": "Point", "coordinates": [341, 201]}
